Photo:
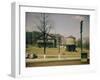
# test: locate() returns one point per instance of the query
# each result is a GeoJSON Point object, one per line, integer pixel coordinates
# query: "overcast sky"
{"type": "Point", "coordinates": [64, 24]}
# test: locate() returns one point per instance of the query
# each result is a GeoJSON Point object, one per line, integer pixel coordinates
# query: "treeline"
{"type": "Point", "coordinates": [31, 37]}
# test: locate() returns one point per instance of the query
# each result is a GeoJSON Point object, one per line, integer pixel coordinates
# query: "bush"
{"type": "Point", "coordinates": [35, 56]}
{"type": "Point", "coordinates": [31, 56]}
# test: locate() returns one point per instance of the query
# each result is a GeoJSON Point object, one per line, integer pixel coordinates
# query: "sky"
{"type": "Point", "coordinates": [63, 24]}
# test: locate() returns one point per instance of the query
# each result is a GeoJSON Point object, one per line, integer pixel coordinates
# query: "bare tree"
{"type": "Point", "coordinates": [44, 28]}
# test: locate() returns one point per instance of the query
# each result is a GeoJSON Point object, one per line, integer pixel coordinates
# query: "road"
{"type": "Point", "coordinates": [55, 63]}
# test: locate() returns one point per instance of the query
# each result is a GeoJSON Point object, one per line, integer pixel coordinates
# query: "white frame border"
{"type": "Point", "coordinates": [18, 66]}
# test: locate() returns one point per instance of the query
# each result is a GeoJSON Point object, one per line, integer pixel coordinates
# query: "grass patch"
{"type": "Point", "coordinates": [54, 51]}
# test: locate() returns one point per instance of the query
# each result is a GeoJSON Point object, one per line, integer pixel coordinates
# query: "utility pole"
{"type": "Point", "coordinates": [84, 57]}
{"type": "Point", "coordinates": [81, 30]}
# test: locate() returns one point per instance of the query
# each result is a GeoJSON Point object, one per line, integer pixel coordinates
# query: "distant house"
{"type": "Point", "coordinates": [71, 43]}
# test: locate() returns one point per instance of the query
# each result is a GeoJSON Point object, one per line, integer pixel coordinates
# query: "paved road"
{"type": "Point", "coordinates": [55, 63]}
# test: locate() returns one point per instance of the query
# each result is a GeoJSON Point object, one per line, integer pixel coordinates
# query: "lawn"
{"type": "Point", "coordinates": [54, 52]}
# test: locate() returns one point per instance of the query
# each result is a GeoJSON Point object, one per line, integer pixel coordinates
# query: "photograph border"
{"type": "Point", "coordinates": [18, 40]}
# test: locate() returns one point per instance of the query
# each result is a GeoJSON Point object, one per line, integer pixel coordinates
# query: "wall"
{"type": "Point", "coordinates": [5, 39]}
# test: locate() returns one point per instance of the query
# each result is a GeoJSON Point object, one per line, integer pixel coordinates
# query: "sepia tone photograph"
{"type": "Point", "coordinates": [54, 39]}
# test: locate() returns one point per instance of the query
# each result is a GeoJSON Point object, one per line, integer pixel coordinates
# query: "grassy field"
{"type": "Point", "coordinates": [54, 51]}
{"type": "Point", "coordinates": [52, 57]}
